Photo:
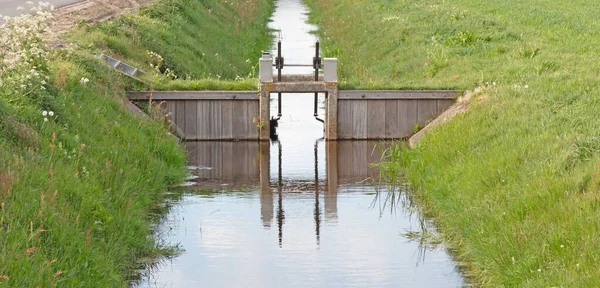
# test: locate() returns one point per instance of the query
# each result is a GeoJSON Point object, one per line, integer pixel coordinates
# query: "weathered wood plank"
{"type": "Point", "coordinates": [180, 119]}
{"type": "Point", "coordinates": [240, 119]}
{"type": "Point", "coordinates": [253, 112]}
{"type": "Point", "coordinates": [375, 119]}
{"type": "Point", "coordinates": [407, 117]}
{"type": "Point", "coordinates": [443, 105]}
{"type": "Point", "coordinates": [202, 124]}
{"type": "Point", "coordinates": [392, 127]}
{"type": "Point", "coordinates": [400, 94]}
{"type": "Point", "coordinates": [426, 109]}
{"type": "Point", "coordinates": [226, 119]}
{"type": "Point", "coordinates": [359, 119]}
{"type": "Point", "coordinates": [192, 95]}
{"type": "Point", "coordinates": [345, 120]}
{"type": "Point", "coordinates": [171, 111]}
{"type": "Point", "coordinates": [191, 120]}
{"type": "Point", "coordinates": [215, 131]}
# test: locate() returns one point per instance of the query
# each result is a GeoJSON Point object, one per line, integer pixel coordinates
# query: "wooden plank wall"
{"type": "Point", "coordinates": [209, 115]}
{"type": "Point", "coordinates": [225, 162]}
{"type": "Point", "coordinates": [215, 119]}
{"type": "Point", "coordinates": [388, 114]}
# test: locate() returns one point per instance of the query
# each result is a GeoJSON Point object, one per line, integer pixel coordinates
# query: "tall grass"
{"type": "Point", "coordinates": [79, 184]}
{"type": "Point", "coordinates": [218, 40]}
{"type": "Point", "coordinates": [512, 183]}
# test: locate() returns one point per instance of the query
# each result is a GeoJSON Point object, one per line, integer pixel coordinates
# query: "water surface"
{"type": "Point", "coordinates": [297, 212]}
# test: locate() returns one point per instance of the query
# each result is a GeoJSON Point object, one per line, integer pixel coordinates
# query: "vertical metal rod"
{"type": "Point", "coordinates": [317, 65]}
{"type": "Point", "coordinates": [280, 66]}
{"type": "Point", "coordinates": [316, 104]}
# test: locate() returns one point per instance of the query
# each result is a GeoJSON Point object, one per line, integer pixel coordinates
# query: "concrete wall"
{"type": "Point", "coordinates": [388, 114]}
{"type": "Point", "coordinates": [208, 115]}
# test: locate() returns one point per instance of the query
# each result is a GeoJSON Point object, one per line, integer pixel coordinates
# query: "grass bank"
{"type": "Point", "coordinates": [218, 42]}
{"type": "Point", "coordinates": [80, 176]}
{"type": "Point", "coordinates": [513, 183]}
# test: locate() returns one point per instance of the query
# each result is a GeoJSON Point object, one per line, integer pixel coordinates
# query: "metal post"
{"type": "Point", "coordinates": [317, 65]}
{"type": "Point", "coordinates": [279, 79]}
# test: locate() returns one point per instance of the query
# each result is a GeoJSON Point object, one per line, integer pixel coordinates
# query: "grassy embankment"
{"type": "Point", "coordinates": [208, 44]}
{"type": "Point", "coordinates": [514, 183]}
{"type": "Point", "coordinates": [77, 189]}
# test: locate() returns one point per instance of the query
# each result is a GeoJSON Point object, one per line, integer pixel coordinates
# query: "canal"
{"type": "Point", "coordinates": [296, 212]}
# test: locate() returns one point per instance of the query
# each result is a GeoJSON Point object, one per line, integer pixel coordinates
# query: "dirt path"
{"type": "Point", "coordinates": [92, 11]}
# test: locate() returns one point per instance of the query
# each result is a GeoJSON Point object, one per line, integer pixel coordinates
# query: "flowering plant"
{"type": "Point", "coordinates": [157, 63]}
{"type": "Point", "coordinates": [24, 53]}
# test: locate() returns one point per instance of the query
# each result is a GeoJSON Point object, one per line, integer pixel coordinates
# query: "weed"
{"type": "Point", "coordinates": [463, 38]}
{"type": "Point", "coordinates": [529, 52]}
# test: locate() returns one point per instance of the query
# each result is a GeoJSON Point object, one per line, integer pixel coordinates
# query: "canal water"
{"type": "Point", "coordinates": [297, 212]}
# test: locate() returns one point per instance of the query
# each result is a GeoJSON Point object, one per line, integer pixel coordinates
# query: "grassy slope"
{"type": "Point", "coordinates": [207, 39]}
{"type": "Point", "coordinates": [513, 183]}
{"type": "Point", "coordinates": [82, 210]}
{"type": "Point", "coordinates": [77, 192]}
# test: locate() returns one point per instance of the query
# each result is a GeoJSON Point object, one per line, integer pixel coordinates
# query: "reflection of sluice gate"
{"type": "Point", "coordinates": [238, 163]}
{"type": "Point", "coordinates": [329, 190]}
{"type": "Point", "coordinates": [224, 165]}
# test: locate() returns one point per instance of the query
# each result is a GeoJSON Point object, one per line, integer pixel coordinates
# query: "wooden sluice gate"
{"type": "Point", "coordinates": [349, 114]}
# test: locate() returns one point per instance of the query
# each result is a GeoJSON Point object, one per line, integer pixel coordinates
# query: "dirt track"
{"type": "Point", "coordinates": [92, 11]}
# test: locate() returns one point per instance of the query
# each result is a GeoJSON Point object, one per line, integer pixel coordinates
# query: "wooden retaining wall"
{"type": "Point", "coordinates": [388, 114]}
{"type": "Point", "coordinates": [208, 115]}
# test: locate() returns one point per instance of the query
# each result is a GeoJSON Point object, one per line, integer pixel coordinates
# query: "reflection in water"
{"type": "Point", "coordinates": [345, 243]}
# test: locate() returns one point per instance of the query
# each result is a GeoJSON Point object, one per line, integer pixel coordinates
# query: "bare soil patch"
{"type": "Point", "coordinates": [92, 11]}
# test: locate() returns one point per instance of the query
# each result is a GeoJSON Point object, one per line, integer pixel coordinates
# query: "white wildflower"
{"type": "Point", "coordinates": [51, 113]}
{"type": "Point", "coordinates": [45, 119]}
{"type": "Point", "coordinates": [44, 113]}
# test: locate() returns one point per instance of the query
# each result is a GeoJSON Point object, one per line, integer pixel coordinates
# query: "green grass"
{"type": "Point", "coordinates": [513, 183]}
{"type": "Point", "coordinates": [208, 40]}
{"type": "Point", "coordinates": [248, 84]}
{"type": "Point", "coordinates": [79, 193]}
